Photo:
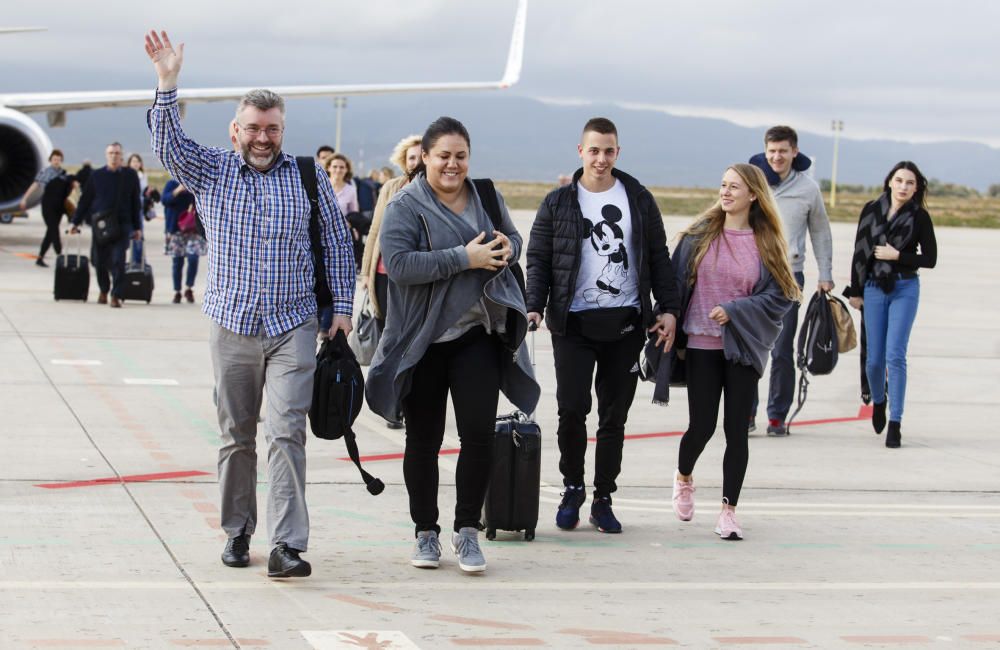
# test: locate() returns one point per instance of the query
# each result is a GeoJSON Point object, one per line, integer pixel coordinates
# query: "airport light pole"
{"type": "Point", "coordinates": [837, 126]}
{"type": "Point", "coordinates": [340, 103]}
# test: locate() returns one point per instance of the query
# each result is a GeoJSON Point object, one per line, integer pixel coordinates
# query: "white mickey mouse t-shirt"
{"type": "Point", "coordinates": [608, 276]}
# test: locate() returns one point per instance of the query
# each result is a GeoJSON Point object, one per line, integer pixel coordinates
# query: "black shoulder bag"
{"type": "Point", "coordinates": [488, 195]}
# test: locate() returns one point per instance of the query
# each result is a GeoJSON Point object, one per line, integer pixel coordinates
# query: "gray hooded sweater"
{"type": "Point", "coordinates": [432, 288]}
{"type": "Point", "coordinates": [801, 206]}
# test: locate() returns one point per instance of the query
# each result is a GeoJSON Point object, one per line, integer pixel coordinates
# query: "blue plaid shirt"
{"type": "Point", "coordinates": [260, 265]}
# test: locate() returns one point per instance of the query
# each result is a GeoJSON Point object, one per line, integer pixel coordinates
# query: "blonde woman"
{"type": "Point", "coordinates": [406, 156]}
{"type": "Point", "coordinates": [736, 284]}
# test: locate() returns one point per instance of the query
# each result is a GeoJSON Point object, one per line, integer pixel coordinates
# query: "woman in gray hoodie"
{"type": "Point", "coordinates": [456, 323]}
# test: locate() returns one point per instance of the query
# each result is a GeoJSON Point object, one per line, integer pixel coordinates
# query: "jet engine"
{"type": "Point", "coordinates": [24, 150]}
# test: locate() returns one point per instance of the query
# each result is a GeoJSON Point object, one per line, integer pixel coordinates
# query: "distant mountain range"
{"type": "Point", "coordinates": [518, 138]}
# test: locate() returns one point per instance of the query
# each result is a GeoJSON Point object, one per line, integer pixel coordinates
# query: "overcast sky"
{"type": "Point", "coordinates": [920, 70]}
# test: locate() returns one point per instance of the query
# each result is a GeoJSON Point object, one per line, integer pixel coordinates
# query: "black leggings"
{"type": "Point", "coordinates": [708, 376]}
{"type": "Point", "coordinates": [469, 367]}
{"type": "Point", "coordinates": [382, 297]}
{"type": "Point", "coordinates": [52, 219]}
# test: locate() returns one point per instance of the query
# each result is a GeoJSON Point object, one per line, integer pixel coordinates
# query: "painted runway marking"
{"type": "Point", "coordinates": [514, 586]}
{"type": "Point", "coordinates": [881, 639]}
{"type": "Point", "coordinates": [222, 643]}
{"type": "Point", "coordinates": [367, 604]}
{"type": "Point", "coordinates": [618, 638]}
{"type": "Point", "coordinates": [484, 642]}
{"type": "Point", "coordinates": [758, 640]}
{"type": "Point", "coordinates": [135, 478]}
{"type": "Point", "coordinates": [354, 639]}
{"type": "Point", "coordinates": [76, 362]}
{"type": "Point", "coordinates": [480, 622]}
{"type": "Point", "coordinates": [139, 381]}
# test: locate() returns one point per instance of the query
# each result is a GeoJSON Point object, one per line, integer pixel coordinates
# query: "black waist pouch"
{"type": "Point", "coordinates": [612, 324]}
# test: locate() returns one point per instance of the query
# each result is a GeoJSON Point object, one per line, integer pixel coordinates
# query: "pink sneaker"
{"type": "Point", "coordinates": [683, 499]}
{"type": "Point", "coordinates": [728, 528]}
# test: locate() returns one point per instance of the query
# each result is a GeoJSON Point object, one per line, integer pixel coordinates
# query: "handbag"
{"type": "Point", "coordinates": [605, 325]}
{"type": "Point", "coordinates": [187, 222]}
{"type": "Point", "coordinates": [847, 336]}
{"type": "Point", "coordinates": [365, 335]}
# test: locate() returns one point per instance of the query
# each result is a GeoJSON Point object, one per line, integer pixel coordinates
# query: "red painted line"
{"type": "Point", "coordinates": [370, 459]}
{"type": "Point", "coordinates": [135, 478]}
{"type": "Point", "coordinates": [77, 643]}
{"type": "Point", "coordinates": [864, 413]}
{"type": "Point", "coordinates": [367, 604]}
{"type": "Point", "coordinates": [481, 622]}
{"type": "Point", "coordinates": [758, 640]}
{"type": "Point", "coordinates": [887, 639]}
{"type": "Point", "coordinates": [983, 638]}
{"type": "Point", "coordinates": [479, 641]}
{"type": "Point", "coordinates": [207, 643]}
{"type": "Point", "coordinates": [612, 637]}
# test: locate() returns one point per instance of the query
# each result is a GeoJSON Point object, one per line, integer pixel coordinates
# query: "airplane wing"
{"type": "Point", "coordinates": [71, 101]}
{"type": "Point", "coordinates": [17, 30]}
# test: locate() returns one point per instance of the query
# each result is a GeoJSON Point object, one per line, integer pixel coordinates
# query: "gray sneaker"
{"type": "Point", "coordinates": [465, 543]}
{"type": "Point", "coordinates": [427, 551]}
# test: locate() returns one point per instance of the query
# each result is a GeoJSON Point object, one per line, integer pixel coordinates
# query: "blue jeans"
{"type": "Point", "coordinates": [888, 321]}
{"type": "Point", "coordinates": [782, 391]}
{"type": "Point", "coordinates": [192, 271]}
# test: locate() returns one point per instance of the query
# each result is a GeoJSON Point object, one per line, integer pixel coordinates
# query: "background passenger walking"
{"type": "Point", "coordinates": [185, 237]}
{"type": "Point", "coordinates": [456, 325]}
{"type": "Point", "coordinates": [895, 238]}
{"type": "Point", "coordinates": [374, 276]}
{"type": "Point", "coordinates": [736, 285]}
{"type": "Point", "coordinates": [56, 187]}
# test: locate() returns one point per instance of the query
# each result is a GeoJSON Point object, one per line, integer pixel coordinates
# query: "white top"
{"type": "Point", "coordinates": [608, 277]}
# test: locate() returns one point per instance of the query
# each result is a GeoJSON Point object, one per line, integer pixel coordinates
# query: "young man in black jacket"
{"type": "Point", "coordinates": [597, 251]}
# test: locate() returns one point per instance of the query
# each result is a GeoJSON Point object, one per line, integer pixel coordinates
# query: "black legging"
{"type": "Point", "coordinates": [52, 219]}
{"type": "Point", "coordinates": [708, 376]}
{"type": "Point", "coordinates": [382, 298]}
{"type": "Point", "coordinates": [469, 367]}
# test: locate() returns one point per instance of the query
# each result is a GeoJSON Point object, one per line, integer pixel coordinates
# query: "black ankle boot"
{"type": "Point", "coordinates": [878, 416]}
{"type": "Point", "coordinates": [893, 436]}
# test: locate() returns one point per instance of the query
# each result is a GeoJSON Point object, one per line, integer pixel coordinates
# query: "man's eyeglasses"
{"type": "Point", "coordinates": [253, 130]}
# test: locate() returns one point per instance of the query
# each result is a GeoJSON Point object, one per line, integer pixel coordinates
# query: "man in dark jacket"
{"type": "Point", "coordinates": [597, 251]}
{"type": "Point", "coordinates": [113, 190]}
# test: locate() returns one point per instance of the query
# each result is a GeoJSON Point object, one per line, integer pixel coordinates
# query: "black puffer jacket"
{"type": "Point", "coordinates": [557, 237]}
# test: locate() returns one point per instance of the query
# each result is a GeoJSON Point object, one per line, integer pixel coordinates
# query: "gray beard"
{"type": "Point", "coordinates": [260, 163]}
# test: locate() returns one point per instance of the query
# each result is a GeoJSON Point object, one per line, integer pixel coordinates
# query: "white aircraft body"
{"type": "Point", "coordinates": [25, 146]}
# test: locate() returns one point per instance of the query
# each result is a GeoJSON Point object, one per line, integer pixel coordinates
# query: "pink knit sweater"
{"type": "Point", "coordinates": [729, 270]}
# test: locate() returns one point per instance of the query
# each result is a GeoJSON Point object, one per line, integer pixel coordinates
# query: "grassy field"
{"type": "Point", "coordinates": [973, 212]}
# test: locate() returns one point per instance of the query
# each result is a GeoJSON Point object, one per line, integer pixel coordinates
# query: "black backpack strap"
{"type": "Point", "coordinates": [307, 171]}
{"type": "Point", "coordinates": [488, 195]}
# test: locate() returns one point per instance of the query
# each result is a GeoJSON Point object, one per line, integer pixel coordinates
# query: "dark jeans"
{"type": "Point", "coordinates": [709, 375]}
{"type": "Point", "coordinates": [782, 387]}
{"type": "Point", "coordinates": [468, 367]}
{"type": "Point", "coordinates": [109, 265]}
{"type": "Point", "coordinates": [192, 271]}
{"type": "Point", "coordinates": [575, 358]}
{"type": "Point", "coordinates": [51, 238]}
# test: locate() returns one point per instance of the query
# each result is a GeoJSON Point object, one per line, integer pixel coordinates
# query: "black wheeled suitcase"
{"type": "Point", "coordinates": [138, 280]}
{"type": "Point", "coordinates": [512, 498]}
{"type": "Point", "coordinates": [72, 275]}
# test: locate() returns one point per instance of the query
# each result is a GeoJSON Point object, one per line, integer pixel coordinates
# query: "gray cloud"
{"type": "Point", "coordinates": [919, 70]}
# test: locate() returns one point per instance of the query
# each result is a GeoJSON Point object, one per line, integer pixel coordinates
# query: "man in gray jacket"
{"type": "Point", "coordinates": [801, 205]}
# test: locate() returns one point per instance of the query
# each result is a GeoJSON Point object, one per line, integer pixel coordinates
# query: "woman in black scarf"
{"type": "Point", "coordinates": [895, 238]}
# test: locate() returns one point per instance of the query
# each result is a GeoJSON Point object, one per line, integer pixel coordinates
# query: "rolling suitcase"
{"type": "Point", "coordinates": [138, 279]}
{"type": "Point", "coordinates": [72, 278]}
{"type": "Point", "coordinates": [512, 498]}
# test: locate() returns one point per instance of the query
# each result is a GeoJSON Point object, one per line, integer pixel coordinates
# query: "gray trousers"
{"type": "Point", "coordinates": [244, 365]}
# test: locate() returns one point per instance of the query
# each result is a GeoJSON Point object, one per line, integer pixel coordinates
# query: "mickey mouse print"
{"type": "Point", "coordinates": [608, 277]}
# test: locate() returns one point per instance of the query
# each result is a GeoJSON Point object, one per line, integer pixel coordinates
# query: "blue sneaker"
{"type": "Point", "coordinates": [568, 516]}
{"type": "Point", "coordinates": [603, 517]}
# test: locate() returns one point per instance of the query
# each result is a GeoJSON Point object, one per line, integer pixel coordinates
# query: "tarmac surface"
{"type": "Point", "coordinates": [109, 532]}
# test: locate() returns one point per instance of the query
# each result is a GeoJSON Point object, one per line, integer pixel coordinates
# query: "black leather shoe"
{"type": "Point", "coordinates": [286, 563]}
{"type": "Point", "coordinates": [237, 552]}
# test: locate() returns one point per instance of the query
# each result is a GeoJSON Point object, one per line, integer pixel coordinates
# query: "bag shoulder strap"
{"type": "Point", "coordinates": [488, 195]}
{"type": "Point", "coordinates": [307, 171]}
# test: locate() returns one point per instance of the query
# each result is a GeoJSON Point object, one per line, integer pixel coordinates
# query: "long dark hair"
{"type": "Point", "coordinates": [442, 126]}
{"type": "Point", "coordinates": [920, 196]}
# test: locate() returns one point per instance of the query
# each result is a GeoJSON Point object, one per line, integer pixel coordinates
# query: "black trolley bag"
{"type": "Point", "coordinates": [516, 471]}
{"type": "Point", "coordinates": [138, 280]}
{"type": "Point", "coordinates": [72, 276]}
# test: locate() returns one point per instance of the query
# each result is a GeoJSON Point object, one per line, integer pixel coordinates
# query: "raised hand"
{"type": "Point", "coordinates": [166, 60]}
